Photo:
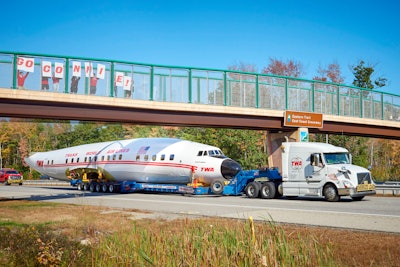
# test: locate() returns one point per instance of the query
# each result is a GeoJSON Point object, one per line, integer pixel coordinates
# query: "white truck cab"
{"type": "Point", "coordinates": [319, 169]}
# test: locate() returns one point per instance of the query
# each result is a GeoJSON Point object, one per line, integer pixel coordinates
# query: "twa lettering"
{"type": "Point", "coordinates": [207, 169]}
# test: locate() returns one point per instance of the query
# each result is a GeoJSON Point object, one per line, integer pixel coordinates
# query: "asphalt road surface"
{"type": "Point", "coordinates": [372, 214]}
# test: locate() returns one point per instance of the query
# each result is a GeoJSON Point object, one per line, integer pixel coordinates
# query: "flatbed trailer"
{"type": "Point", "coordinates": [244, 181]}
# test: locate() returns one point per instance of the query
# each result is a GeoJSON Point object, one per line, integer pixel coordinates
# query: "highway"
{"type": "Point", "coordinates": [371, 214]}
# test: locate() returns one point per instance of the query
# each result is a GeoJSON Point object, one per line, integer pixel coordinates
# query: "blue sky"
{"type": "Point", "coordinates": [212, 34]}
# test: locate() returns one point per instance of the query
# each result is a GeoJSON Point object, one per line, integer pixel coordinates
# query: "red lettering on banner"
{"type": "Point", "coordinates": [46, 68]}
{"type": "Point", "coordinates": [119, 78]}
{"type": "Point", "coordinates": [127, 82]}
{"type": "Point", "coordinates": [29, 63]}
{"type": "Point", "coordinates": [77, 68]}
{"type": "Point", "coordinates": [100, 71]}
{"type": "Point", "coordinates": [88, 69]}
{"type": "Point", "coordinates": [20, 61]}
{"type": "Point", "coordinates": [59, 69]}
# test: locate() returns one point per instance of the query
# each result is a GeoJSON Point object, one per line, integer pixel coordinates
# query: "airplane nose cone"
{"type": "Point", "coordinates": [229, 168]}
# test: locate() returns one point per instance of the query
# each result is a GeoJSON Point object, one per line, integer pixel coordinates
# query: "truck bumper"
{"type": "Point", "coordinates": [354, 193]}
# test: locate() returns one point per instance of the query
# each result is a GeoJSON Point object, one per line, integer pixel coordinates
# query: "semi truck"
{"type": "Point", "coordinates": [314, 169]}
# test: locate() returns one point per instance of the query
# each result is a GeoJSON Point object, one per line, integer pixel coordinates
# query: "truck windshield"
{"type": "Point", "coordinates": [337, 158]}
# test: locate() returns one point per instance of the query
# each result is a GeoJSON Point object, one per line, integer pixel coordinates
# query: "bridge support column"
{"type": "Point", "coordinates": [275, 140]}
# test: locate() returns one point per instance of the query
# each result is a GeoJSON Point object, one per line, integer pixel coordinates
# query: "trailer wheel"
{"type": "Point", "coordinates": [111, 188]}
{"type": "Point", "coordinates": [92, 187]}
{"type": "Point", "coordinates": [252, 189]}
{"type": "Point", "coordinates": [331, 193]}
{"type": "Point", "coordinates": [267, 190]}
{"type": "Point", "coordinates": [217, 186]}
{"type": "Point", "coordinates": [104, 188]}
{"type": "Point", "coordinates": [80, 186]}
{"type": "Point", "coordinates": [86, 187]}
{"type": "Point", "coordinates": [98, 187]}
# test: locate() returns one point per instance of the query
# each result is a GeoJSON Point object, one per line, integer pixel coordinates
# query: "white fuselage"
{"type": "Point", "coordinates": [153, 160]}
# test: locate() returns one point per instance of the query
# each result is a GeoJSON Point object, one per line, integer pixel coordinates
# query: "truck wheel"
{"type": "Point", "coordinates": [267, 190]}
{"type": "Point", "coordinates": [279, 190]}
{"type": "Point", "coordinates": [217, 186]}
{"type": "Point", "coordinates": [331, 193]}
{"type": "Point", "coordinates": [252, 190]}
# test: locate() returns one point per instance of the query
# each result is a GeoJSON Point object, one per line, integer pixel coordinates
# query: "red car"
{"type": "Point", "coordinates": [10, 176]}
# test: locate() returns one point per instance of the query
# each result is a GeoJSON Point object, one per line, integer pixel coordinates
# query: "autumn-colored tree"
{"type": "Point", "coordinates": [332, 73]}
{"type": "Point", "coordinates": [289, 68]}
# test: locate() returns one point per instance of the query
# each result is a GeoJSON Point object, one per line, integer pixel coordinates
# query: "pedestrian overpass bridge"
{"type": "Point", "coordinates": [119, 91]}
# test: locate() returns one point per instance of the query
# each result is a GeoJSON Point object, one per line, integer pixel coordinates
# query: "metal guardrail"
{"type": "Point", "coordinates": [388, 188]}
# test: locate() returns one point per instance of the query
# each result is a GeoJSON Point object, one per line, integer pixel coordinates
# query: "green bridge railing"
{"type": "Point", "coordinates": [152, 82]}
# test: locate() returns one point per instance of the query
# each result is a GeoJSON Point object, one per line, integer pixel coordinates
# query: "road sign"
{"type": "Point", "coordinates": [303, 119]}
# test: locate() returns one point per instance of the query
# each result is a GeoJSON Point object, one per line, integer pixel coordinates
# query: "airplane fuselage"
{"type": "Point", "coordinates": [151, 160]}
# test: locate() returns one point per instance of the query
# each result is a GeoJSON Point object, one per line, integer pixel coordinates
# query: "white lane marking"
{"type": "Point", "coordinates": [251, 207]}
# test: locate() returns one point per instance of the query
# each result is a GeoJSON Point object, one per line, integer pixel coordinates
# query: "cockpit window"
{"type": "Point", "coordinates": [200, 153]}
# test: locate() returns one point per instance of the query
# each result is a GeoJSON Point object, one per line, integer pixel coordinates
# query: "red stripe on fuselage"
{"type": "Point", "coordinates": [122, 162]}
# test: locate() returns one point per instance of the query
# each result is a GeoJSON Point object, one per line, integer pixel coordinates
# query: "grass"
{"type": "Point", "coordinates": [46, 234]}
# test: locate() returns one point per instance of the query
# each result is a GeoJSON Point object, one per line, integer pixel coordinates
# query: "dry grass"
{"type": "Point", "coordinates": [348, 248]}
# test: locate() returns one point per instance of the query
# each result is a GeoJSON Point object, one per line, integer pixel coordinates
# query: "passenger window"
{"type": "Point", "coordinates": [114, 157]}
{"type": "Point", "coordinates": [102, 158]}
{"type": "Point", "coordinates": [66, 162]}
{"type": "Point", "coordinates": [146, 157]}
{"type": "Point", "coordinates": [95, 158]}
{"type": "Point", "coordinates": [72, 160]}
{"type": "Point", "coordinates": [137, 157]}
{"type": "Point", "coordinates": [85, 159]}
{"type": "Point", "coordinates": [162, 157]}
{"type": "Point", "coordinates": [77, 160]}
{"type": "Point", "coordinates": [108, 157]}
{"type": "Point", "coordinates": [171, 157]}
{"type": "Point", "coordinates": [120, 156]}
{"type": "Point", "coordinates": [51, 162]}
{"type": "Point", "coordinates": [90, 159]}
{"type": "Point", "coordinates": [154, 157]}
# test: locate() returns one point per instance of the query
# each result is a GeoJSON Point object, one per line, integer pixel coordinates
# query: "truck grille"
{"type": "Point", "coordinates": [14, 177]}
{"type": "Point", "coordinates": [364, 177]}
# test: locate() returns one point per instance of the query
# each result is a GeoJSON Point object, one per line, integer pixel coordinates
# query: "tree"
{"type": "Point", "coordinates": [332, 73]}
{"type": "Point", "coordinates": [289, 68]}
{"type": "Point", "coordinates": [363, 74]}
